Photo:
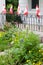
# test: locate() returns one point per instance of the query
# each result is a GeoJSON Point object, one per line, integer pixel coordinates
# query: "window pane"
{"type": "Point", "coordinates": [34, 3]}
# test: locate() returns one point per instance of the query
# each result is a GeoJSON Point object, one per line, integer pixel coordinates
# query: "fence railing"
{"type": "Point", "coordinates": [32, 23]}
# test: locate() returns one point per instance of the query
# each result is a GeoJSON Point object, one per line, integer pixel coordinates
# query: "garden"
{"type": "Point", "coordinates": [20, 47]}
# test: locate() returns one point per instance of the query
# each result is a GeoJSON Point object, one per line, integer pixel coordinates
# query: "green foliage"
{"type": "Point", "coordinates": [25, 49]}
{"type": "Point", "coordinates": [5, 41]}
{"type": "Point", "coordinates": [13, 2]}
{"type": "Point", "coordinates": [6, 38]}
{"type": "Point", "coordinates": [13, 17]}
{"type": "Point", "coordinates": [9, 17]}
{"type": "Point", "coordinates": [8, 7]}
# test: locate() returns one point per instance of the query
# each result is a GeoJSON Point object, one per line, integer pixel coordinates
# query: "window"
{"type": "Point", "coordinates": [34, 3]}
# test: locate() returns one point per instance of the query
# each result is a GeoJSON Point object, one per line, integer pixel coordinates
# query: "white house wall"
{"type": "Point", "coordinates": [23, 4]}
{"type": "Point", "coordinates": [2, 17]}
{"type": "Point", "coordinates": [2, 2]}
{"type": "Point", "coordinates": [41, 6]}
{"type": "Point", "coordinates": [29, 4]}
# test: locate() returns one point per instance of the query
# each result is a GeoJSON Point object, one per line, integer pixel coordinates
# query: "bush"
{"type": "Point", "coordinates": [6, 38]}
{"type": "Point", "coordinates": [13, 17]}
{"type": "Point", "coordinates": [28, 47]}
{"type": "Point", "coordinates": [5, 41]}
{"type": "Point", "coordinates": [25, 50]}
{"type": "Point", "coordinates": [9, 17]}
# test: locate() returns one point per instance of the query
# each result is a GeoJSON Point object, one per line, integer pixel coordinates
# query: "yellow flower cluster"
{"type": "Point", "coordinates": [33, 63]}
{"type": "Point", "coordinates": [1, 34]}
{"type": "Point", "coordinates": [28, 61]}
{"type": "Point", "coordinates": [41, 51]}
{"type": "Point", "coordinates": [38, 63]}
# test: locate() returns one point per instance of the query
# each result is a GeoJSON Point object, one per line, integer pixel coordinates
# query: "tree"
{"type": "Point", "coordinates": [13, 2]}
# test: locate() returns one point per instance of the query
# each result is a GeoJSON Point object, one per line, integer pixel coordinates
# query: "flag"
{"type": "Point", "coordinates": [18, 10]}
{"type": "Point", "coordinates": [37, 11]}
{"type": "Point", "coordinates": [26, 11]}
{"type": "Point", "coordinates": [11, 9]}
{"type": "Point", "coordinates": [4, 11]}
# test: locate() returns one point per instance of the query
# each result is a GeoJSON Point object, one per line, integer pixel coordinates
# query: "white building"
{"type": "Point", "coordinates": [31, 5]}
{"type": "Point", "coordinates": [2, 17]}
{"type": "Point", "coordinates": [31, 19]}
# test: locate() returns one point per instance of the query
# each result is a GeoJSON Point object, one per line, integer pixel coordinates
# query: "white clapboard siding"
{"type": "Point", "coordinates": [2, 17]}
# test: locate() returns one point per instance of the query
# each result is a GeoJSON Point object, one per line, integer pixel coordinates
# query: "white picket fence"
{"type": "Point", "coordinates": [32, 22]}
{"type": "Point", "coordinates": [32, 28]}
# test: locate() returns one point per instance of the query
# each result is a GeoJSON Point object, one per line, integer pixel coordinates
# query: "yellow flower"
{"type": "Point", "coordinates": [29, 51]}
{"type": "Point", "coordinates": [33, 63]}
{"type": "Point", "coordinates": [40, 62]}
{"type": "Point", "coordinates": [27, 60]}
{"type": "Point", "coordinates": [0, 35]}
{"type": "Point", "coordinates": [39, 50]}
{"type": "Point", "coordinates": [42, 53]}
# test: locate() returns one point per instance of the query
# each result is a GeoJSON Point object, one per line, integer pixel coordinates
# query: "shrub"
{"type": "Point", "coordinates": [9, 17]}
{"type": "Point", "coordinates": [13, 17]}
{"type": "Point", "coordinates": [30, 45]}
{"type": "Point", "coordinates": [5, 41]}
{"type": "Point", "coordinates": [25, 50]}
{"type": "Point", "coordinates": [7, 37]}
